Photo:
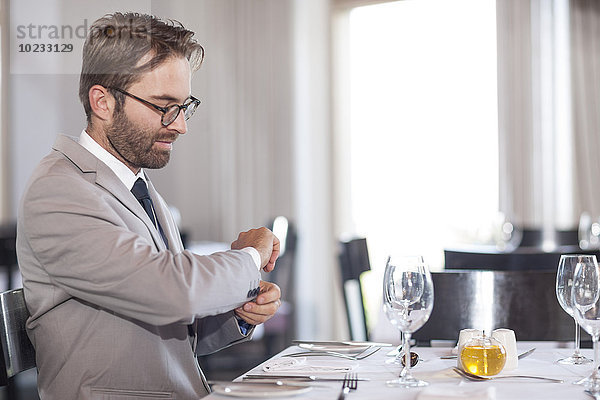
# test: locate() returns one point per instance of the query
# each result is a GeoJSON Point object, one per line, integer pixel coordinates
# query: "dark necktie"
{"type": "Point", "coordinates": [140, 191]}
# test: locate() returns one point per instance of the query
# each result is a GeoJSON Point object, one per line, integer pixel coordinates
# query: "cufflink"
{"type": "Point", "coordinates": [254, 290]}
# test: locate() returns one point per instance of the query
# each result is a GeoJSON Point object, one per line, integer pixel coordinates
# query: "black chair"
{"type": "Point", "coordinates": [17, 353]}
{"type": "Point", "coordinates": [281, 329]}
{"type": "Point", "coordinates": [354, 260]}
{"type": "Point", "coordinates": [528, 255]}
{"type": "Point", "coordinates": [8, 252]}
{"type": "Point", "coordinates": [524, 301]}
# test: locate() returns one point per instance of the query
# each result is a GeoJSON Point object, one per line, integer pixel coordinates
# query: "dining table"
{"type": "Point", "coordinates": [432, 367]}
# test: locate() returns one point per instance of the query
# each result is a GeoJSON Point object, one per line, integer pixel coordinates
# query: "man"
{"type": "Point", "coordinates": [118, 308]}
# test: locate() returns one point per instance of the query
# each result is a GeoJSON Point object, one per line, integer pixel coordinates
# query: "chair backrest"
{"type": "Point", "coordinates": [8, 252]}
{"type": "Point", "coordinates": [354, 260]}
{"type": "Point", "coordinates": [283, 274]}
{"type": "Point", "coordinates": [524, 301]}
{"type": "Point", "coordinates": [280, 330]}
{"type": "Point", "coordinates": [17, 351]}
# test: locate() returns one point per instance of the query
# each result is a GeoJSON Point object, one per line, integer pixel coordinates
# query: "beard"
{"type": "Point", "coordinates": [135, 144]}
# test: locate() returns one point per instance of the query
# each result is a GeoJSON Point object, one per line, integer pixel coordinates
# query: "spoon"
{"type": "Point", "coordinates": [480, 378]}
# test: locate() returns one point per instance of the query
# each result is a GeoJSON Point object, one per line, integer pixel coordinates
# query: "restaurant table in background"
{"type": "Point", "coordinates": [443, 380]}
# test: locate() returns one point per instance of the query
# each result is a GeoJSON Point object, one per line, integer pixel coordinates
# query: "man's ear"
{"type": "Point", "coordinates": [102, 102]}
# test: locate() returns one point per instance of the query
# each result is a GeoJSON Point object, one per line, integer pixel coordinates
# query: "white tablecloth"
{"type": "Point", "coordinates": [439, 374]}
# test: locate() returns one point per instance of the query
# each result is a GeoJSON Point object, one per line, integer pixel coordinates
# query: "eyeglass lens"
{"type": "Point", "coordinates": [173, 112]}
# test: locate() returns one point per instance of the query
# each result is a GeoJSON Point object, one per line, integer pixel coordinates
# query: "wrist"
{"type": "Point", "coordinates": [254, 254]}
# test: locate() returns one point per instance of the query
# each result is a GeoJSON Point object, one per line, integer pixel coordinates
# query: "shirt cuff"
{"type": "Point", "coordinates": [255, 255]}
{"type": "Point", "coordinates": [243, 325]}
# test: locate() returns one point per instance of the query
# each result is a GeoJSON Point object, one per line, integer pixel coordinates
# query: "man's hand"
{"type": "Point", "coordinates": [263, 307]}
{"type": "Point", "coordinates": [262, 240]}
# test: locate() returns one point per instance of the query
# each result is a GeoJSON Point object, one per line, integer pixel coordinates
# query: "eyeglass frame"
{"type": "Point", "coordinates": [164, 110]}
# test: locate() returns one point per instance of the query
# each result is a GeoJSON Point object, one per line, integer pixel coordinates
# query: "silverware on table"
{"type": "Point", "coordinates": [295, 377]}
{"type": "Point", "coordinates": [359, 356]}
{"type": "Point", "coordinates": [350, 383]}
{"type": "Point", "coordinates": [474, 377]}
{"type": "Point", "coordinates": [341, 343]}
{"type": "Point", "coordinates": [594, 394]}
{"type": "Point", "coordinates": [276, 382]}
{"type": "Point", "coordinates": [525, 354]}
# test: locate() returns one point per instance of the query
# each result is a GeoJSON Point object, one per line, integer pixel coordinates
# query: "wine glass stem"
{"type": "Point", "coordinates": [595, 376]}
{"type": "Point", "coordinates": [400, 351]}
{"type": "Point", "coordinates": [405, 373]}
{"type": "Point", "coordinates": [577, 353]}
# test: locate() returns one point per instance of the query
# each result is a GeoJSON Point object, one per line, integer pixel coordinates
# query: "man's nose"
{"type": "Point", "coordinates": [179, 125]}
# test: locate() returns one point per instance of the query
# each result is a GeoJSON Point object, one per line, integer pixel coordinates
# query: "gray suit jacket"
{"type": "Point", "coordinates": [110, 306]}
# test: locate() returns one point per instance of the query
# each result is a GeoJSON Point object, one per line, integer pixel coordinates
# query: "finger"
{"type": "Point", "coordinates": [254, 317]}
{"type": "Point", "coordinates": [252, 321]}
{"type": "Point", "coordinates": [262, 309]}
{"type": "Point", "coordinates": [276, 250]}
{"type": "Point", "coordinates": [269, 292]}
{"type": "Point", "coordinates": [249, 318]}
{"type": "Point", "coordinates": [270, 266]}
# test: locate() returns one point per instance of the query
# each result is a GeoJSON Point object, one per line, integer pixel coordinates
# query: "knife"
{"type": "Point", "coordinates": [341, 343]}
{"type": "Point", "coordinates": [525, 354]}
{"type": "Point", "coordinates": [295, 377]}
{"type": "Point", "coordinates": [259, 382]}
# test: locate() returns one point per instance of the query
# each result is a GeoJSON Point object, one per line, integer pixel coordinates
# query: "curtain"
{"type": "Point", "coordinates": [515, 125]}
{"type": "Point", "coordinates": [585, 67]}
{"type": "Point", "coordinates": [4, 192]}
{"type": "Point", "coordinates": [549, 115]}
{"type": "Point", "coordinates": [233, 169]}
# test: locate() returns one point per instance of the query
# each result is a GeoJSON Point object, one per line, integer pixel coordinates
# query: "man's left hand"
{"type": "Point", "coordinates": [263, 307]}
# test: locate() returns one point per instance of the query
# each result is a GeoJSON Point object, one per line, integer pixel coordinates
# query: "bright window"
{"type": "Point", "coordinates": [423, 126]}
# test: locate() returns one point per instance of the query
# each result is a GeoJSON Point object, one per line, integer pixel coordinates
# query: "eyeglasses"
{"type": "Point", "coordinates": [169, 114]}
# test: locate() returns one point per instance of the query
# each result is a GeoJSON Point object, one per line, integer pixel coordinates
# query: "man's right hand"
{"type": "Point", "coordinates": [264, 241]}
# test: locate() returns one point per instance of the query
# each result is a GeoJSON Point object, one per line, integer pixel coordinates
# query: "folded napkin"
{"type": "Point", "coordinates": [303, 365]}
{"type": "Point", "coordinates": [455, 393]}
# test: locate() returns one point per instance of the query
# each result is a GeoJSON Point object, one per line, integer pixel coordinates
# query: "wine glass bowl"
{"type": "Point", "coordinates": [564, 288]}
{"type": "Point", "coordinates": [408, 302]}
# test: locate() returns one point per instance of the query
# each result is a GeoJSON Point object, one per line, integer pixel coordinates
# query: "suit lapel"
{"type": "Point", "coordinates": [165, 219]}
{"type": "Point", "coordinates": [107, 179]}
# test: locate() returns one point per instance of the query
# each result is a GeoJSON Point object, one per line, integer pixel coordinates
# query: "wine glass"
{"type": "Point", "coordinates": [391, 317]}
{"type": "Point", "coordinates": [408, 298]}
{"type": "Point", "coordinates": [586, 309]}
{"type": "Point", "coordinates": [564, 288]}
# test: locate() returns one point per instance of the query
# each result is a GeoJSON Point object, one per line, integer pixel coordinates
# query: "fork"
{"type": "Point", "coordinates": [350, 383]}
{"type": "Point", "coordinates": [364, 354]}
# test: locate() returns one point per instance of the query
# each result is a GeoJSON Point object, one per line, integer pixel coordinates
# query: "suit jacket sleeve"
{"type": "Point", "coordinates": [217, 332]}
{"type": "Point", "coordinates": [89, 246]}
